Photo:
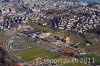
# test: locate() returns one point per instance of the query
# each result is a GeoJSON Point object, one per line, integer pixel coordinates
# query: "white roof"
{"type": "Point", "coordinates": [44, 35]}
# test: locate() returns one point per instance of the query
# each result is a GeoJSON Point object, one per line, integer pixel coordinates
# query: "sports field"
{"type": "Point", "coordinates": [75, 64]}
{"type": "Point", "coordinates": [93, 55]}
{"type": "Point", "coordinates": [35, 52]}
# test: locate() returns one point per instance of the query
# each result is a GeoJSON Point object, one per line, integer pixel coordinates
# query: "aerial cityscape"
{"type": "Point", "coordinates": [49, 32]}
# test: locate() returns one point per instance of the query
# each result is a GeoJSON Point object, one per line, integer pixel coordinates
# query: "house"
{"type": "Point", "coordinates": [19, 64]}
{"type": "Point", "coordinates": [70, 51]}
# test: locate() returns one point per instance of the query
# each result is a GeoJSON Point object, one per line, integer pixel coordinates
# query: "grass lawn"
{"type": "Point", "coordinates": [2, 38]}
{"type": "Point", "coordinates": [74, 64]}
{"type": "Point", "coordinates": [35, 52]}
{"type": "Point", "coordinates": [92, 55]}
{"type": "Point", "coordinates": [38, 27]}
{"type": "Point", "coordinates": [79, 38]}
{"type": "Point", "coordinates": [2, 34]}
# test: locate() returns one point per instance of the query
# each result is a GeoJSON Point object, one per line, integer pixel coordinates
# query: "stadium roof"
{"type": "Point", "coordinates": [30, 31]}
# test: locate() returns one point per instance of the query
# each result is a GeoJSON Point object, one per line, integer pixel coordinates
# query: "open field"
{"type": "Point", "coordinates": [2, 34]}
{"type": "Point", "coordinates": [75, 64]}
{"type": "Point", "coordinates": [79, 38]}
{"type": "Point", "coordinates": [92, 55]}
{"type": "Point", "coordinates": [2, 37]}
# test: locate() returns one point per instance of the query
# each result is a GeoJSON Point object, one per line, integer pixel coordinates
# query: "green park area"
{"type": "Point", "coordinates": [79, 38]}
{"type": "Point", "coordinates": [74, 64]}
{"type": "Point", "coordinates": [1, 34]}
{"type": "Point", "coordinates": [2, 37]}
{"type": "Point", "coordinates": [41, 28]}
{"type": "Point", "coordinates": [93, 55]}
